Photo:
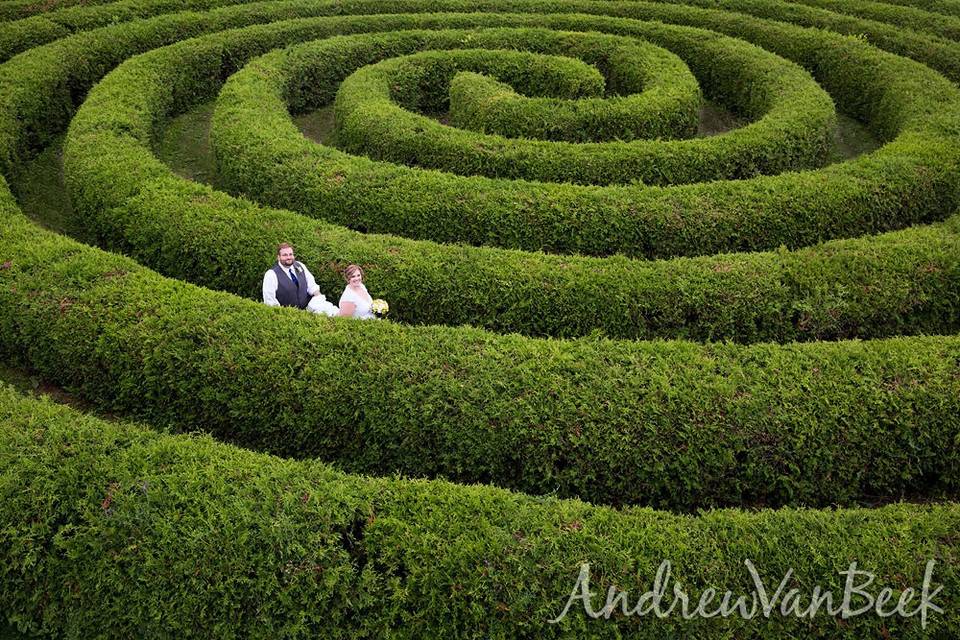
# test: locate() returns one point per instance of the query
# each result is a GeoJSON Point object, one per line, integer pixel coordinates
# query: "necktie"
{"type": "Point", "coordinates": [293, 277]}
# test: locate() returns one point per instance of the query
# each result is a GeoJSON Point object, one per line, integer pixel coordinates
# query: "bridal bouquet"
{"type": "Point", "coordinates": [380, 308]}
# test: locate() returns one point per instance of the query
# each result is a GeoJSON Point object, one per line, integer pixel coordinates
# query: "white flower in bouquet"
{"type": "Point", "coordinates": [380, 308]}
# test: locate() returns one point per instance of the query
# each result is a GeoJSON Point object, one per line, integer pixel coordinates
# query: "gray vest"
{"type": "Point", "coordinates": [289, 294]}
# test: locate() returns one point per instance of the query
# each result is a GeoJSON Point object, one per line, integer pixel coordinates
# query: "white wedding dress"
{"type": "Point", "coordinates": [319, 304]}
{"type": "Point", "coordinates": [362, 303]}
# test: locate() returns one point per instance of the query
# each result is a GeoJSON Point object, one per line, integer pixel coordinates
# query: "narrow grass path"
{"type": "Point", "coordinates": [42, 195]}
{"type": "Point", "coordinates": [29, 383]}
{"type": "Point", "coordinates": [185, 146]}
{"type": "Point", "coordinates": [318, 126]}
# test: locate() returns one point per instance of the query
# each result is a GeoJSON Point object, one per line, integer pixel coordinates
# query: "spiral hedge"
{"type": "Point", "coordinates": [588, 301]}
{"type": "Point", "coordinates": [183, 533]}
{"type": "Point", "coordinates": [792, 208]}
{"type": "Point", "coordinates": [370, 123]}
{"type": "Point", "coordinates": [477, 101]}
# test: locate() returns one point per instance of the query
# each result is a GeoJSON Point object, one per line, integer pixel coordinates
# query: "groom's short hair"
{"type": "Point", "coordinates": [282, 246]}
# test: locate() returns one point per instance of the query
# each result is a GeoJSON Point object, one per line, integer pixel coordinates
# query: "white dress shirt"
{"type": "Point", "coordinates": [270, 284]}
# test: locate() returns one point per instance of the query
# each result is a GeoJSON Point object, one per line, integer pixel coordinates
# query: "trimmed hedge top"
{"type": "Point", "coordinates": [113, 529]}
{"type": "Point", "coordinates": [260, 152]}
{"type": "Point", "coordinates": [655, 98]}
{"type": "Point", "coordinates": [869, 287]}
{"type": "Point", "coordinates": [481, 377]}
{"type": "Point", "coordinates": [109, 527]}
{"type": "Point", "coordinates": [672, 424]}
{"type": "Point", "coordinates": [799, 116]}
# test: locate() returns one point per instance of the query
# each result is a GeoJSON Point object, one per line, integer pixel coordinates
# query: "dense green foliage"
{"type": "Point", "coordinates": [722, 15]}
{"type": "Point", "coordinates": [654, 96]}
{"type": "Point", "coordinates": [908, 18]}
{"type": "Point", "coordinates": [650, 94]}
{"type": "Point", "coordinates": [111, 528]}
{"type": "Point", "coordinates": [367, 110]}
{"type": "Point", "coordinates": [672, 424]}
{"type": "Point", "coordinates": [793, 135]}
{"type": "Point", "coordinates": [182, 90]}
{"type": "Point", "coordinates": [261, 153]}
{"type": "Point", "coordinates": [940, 54]}
{"type": "Point", "coordinates": [903, 282]}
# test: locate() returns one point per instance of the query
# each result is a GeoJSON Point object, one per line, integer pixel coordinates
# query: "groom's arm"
{"type": "Point", "coordinates": [312, 287]}
{"type": "Point", "coordinates": [270, 289]}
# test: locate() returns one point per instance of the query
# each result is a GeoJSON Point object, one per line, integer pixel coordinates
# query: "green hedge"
{"type": "Point", "coordinates": [28, 33]}
{"type": "Point", "coordinates": [722, 15]}
{"type": "Point", "coordinates": [69, 559]}
{"type": "Point", "coordinates": [652, 96]}
{"type": "Point", "coordinates": [672, 424]}
{"type": "Point", "coordinates": [902, 282]}
{"type": "Point", "coordinates": [25, 33]}
{"type": "Point", "coordinates": [17, 9]}
{"type": "Point", "coordinates": [111, 530]}
{"type": "Point", "coordinates": [66, 54]}
{"type": "Point", "coordinates": [651, 93]}
{"type": "Point", "coordinates": [933, 51]}
{"type": "Point", "coordinates": [122, 374]}
{"type": "Point", "coordinates": [261, 153]}
{"type": "Point", "coordinates": [794, 134]}
{"type": "Point", "coordinates": [946, 7]}
{"type": "Point", "coordinates": [41, 87]}
{"type": "Point", "coordinates": [937, 54]}
{"type": "Point", "coordinates": [741, 297]}
{"type": "Point", "coordinates": [904, 17]}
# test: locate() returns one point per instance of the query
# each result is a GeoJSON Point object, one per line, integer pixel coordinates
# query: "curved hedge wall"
{"type": "Point", "coordinates": [866, 288]}
{"type": "Point", "coordinates": [112, 526]}
{"type": "Point", "coordinates": [793, 135]}
{"type": "Point", "coordinates": [672, 424]}
{"type": "Point", "coordinates": [653, 97]}
{"type": "Point", "coordinates": [722, 15]}
{"type": "Point", "coordinates": [260, 152]}
{"type": "Point", "coordinates": [908, 18]}
{"type": "Point", "coordinates": [938, 53]}
{"type": "Point", "coordinates": [107, 529]}
{"type": "Point", "coordinates": [650, 93]}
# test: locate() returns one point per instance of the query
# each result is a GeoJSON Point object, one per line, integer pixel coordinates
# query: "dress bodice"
{"type": "Point", "coordinates": [362, 302]}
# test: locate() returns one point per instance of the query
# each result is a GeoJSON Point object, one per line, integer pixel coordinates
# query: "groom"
{"type": "Point", "coordinates": [290, 284]}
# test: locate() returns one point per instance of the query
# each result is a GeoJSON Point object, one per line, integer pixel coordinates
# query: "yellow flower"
{"type": "Point", "coordinates": [380, 307]}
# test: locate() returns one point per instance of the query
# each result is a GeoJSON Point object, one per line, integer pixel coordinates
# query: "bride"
{"type": "Point", "coordinates": [355, 301]}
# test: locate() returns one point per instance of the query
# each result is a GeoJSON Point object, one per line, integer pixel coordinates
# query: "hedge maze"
{"type": "Point", "coordinates": [616, 338]}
